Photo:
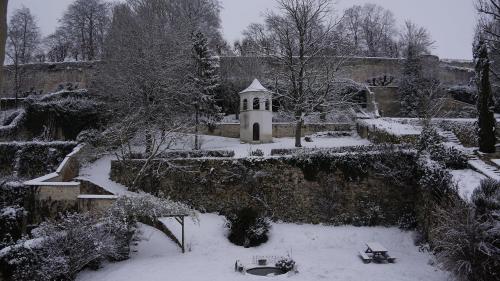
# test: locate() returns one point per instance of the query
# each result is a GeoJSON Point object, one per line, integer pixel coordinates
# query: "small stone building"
{"type": "Point", "coordinates": [256, 115]}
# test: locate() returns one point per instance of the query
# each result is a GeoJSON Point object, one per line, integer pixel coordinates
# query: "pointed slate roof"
{"type": "Point", "coordinates": [256, 86]}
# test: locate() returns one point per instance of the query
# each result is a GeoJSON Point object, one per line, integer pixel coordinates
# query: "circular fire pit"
{"type": "Point", "coordinates": [265, 271]}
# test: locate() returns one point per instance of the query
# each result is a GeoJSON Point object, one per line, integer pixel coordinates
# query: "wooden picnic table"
{"type": "Point", "coordinates": [375, 248]}
{"type": "Point", "coordinates": [379, 252]}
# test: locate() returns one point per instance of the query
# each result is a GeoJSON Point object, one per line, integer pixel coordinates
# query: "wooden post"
{"type": "Point", "coordinates": [182, 220]}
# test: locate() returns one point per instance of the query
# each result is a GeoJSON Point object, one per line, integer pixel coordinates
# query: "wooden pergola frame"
{"type": "Point", "coordinates": [180, 219]}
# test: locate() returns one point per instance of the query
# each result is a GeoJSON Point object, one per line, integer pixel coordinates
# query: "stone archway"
{"type": "Point", "coordinates": [256, 132]}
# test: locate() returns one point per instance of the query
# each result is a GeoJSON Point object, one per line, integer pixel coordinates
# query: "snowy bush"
{"type": "Point", "coordinates": [247, 227]}
{"type": "Point", "coordinates": [467, 239]}
{"type": "Point", "coordinates": [286, 264]}
{"type": "Point", "coordinates": [450, 157]}
{"type": "Point", "coordinates": [12, 123]}
{"type": "Point", "coordinates": [59, 249]}
{"type": "Point", "coordinates": [436, 179]}
{"type": "Point", "coordinates": [90, 136]}
{"type": "Point", "coordinates": [465, 94]}
{"type": "Point", "coordinates": [131, 209]}
{"type": "Point", "coordinates": [431, 142]}
{"type": "Point", "coordinates": [258, 152]}
{"type": "Point", "coordinates": [12, 211]}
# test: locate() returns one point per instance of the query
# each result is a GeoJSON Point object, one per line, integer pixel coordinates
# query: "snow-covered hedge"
{"type": "Point", "coordinates": [32, 159]}
{"type": "Point", "coordinates": [362, 148]}
{"type": "Point", "coordinates": [71, 111]}
{"type": "Point", "coordinates": [189, 154]}
{"type": "Point", "coordinates": [12, 124]}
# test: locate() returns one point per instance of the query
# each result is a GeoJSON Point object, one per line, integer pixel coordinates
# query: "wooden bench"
{"type": "Point", "coordinates": [365, 257]}
{"type": "Point", "coordinates": [390, 259]}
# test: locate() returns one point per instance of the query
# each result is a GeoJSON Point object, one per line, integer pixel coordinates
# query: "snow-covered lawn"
{"type": "Point", "coordinates": [322, 253]}
{"type": "Point", "coordinates": [467, 180]}
{"type": "Point", "coordinates": [243, 149]}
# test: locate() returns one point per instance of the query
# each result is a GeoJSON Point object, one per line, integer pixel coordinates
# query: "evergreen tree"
{"type": "Point", "coordinates": [409, 85]}
{"type": "Point", "coordinates": [416, 42]}
{"type": "Point", "coordinates": [205, 79]}
{"type": "Point", "coordinates": [485, 103]}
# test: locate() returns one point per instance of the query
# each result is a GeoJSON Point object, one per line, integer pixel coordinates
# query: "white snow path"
{"type": "Point", "coordinates": [322, 253]}
{"type": "Point", "coordinates": [98, 173]}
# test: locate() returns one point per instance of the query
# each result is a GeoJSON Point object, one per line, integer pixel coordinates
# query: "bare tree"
{"type": "Point", "coordinates": [58, 46]}
{"type": "Point", "coordinates": [86, 23]}
{"type": "Point", "coordinates": [415, 40]}
{"type": "Point", "coordinates": [144, 73]}
{"type": "Point", "coordinates": [23, 39]}
{"type": "Point", "coordinates": [301, 34]}
{"type": "Point", "coordinates": [371, 30]}
{"type": "Point", "coordinates": [3, 35]}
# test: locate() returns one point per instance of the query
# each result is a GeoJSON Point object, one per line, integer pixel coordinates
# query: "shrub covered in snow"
{"type": "Point", "coordinates": [12, 210]}
{"type": "Point", "coordinates": [431, 142]}
{"type": "Point", "coordinates": [257, 152]}
{"type": "Point", "coordinates": [286, 264]}
{"type": "Point", "coordinates": [247, 227]}
{"type": "Point", "coordinates": [12, 124]}
{"type": "Point", "coordinates": [467, 238]}
{"type": "Point", "coordinates": [59, 249]}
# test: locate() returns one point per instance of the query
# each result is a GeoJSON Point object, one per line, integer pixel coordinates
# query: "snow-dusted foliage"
{"type": "Point", "coordinates": [58, 249]}
{"type": "Point", "coordinates": [467, 238]}
{"type": "Point", "coordinates": [430, 142]}
{"type": "Point", "coordinates": [12, 210]}
{"type": "Point", "coordinates": [72, 111]}
{"type": "Point", "coordinates": [146, 206]}
{"type": "Point", "coordinates": [205, 82]}
{"type": "Point", "coordinates": [247, 227]}
{"type": "Point", "coordinates": [12, 123]}
{"type": "Point", "coordinates": [286, 264]}
{"type": "Point", "coordinates": [465, 94]}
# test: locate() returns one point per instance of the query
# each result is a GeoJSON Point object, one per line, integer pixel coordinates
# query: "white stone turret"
{"type": "Point", "coordinates": [256, 114]}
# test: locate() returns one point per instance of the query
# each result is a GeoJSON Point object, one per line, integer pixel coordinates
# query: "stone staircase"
{"type": "Point", "coordinates": [449, 136]}
{"type": "Point", "coordinates": [491, 171]}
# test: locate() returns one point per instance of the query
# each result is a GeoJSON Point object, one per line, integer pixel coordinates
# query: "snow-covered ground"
{"type": "Point", "coordinates": [98, 173]}
{"type": "Point", "coordinates": [322, 253]}
{"type": "Point", "coordinates": [467, 180]}
{"type": "Point", "coordinates": [243, 149]}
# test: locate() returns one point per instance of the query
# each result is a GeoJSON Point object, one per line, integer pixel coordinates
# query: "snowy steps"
{"type": "Point", "coordinates": [449, 136]}
{"type": "Point", "coordinates": [475, 162]}
{"type": "Point", "coordinates": [484, 168]}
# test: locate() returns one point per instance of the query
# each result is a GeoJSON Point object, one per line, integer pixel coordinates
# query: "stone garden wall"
{"type": "Point", "coordinates": [341, 189]}
{"type": "Point", "coordinates": [280, 130]}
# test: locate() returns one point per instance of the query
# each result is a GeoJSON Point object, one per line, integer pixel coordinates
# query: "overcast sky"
{"type": "Point", "coordinates": [450, 22]}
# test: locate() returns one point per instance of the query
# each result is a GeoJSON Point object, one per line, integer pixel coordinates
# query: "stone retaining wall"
{"type": "Point", "coordinates": [280, 130]}
{"type": "Point", "coordinates": [288, 190]}
{"type": "Point", "coordinates": [47, 77]}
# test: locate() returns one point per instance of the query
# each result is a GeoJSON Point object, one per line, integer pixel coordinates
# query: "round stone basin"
{"type": "Point", "coordinates": [265, 271]}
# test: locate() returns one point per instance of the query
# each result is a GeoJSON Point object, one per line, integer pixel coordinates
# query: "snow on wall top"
{"type": "Point", "coordinates": [256, 86]}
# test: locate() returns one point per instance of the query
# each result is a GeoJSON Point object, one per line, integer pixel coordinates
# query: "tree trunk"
{"type": "Point", "coordinates": [486, 122]}
{"type": "Point", "coordinates": [3, 38]}
{"type": "Point", "coordinates": [298, 129]}
{"type": "Point", "coordinates": [196, 141]}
